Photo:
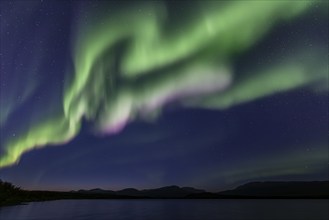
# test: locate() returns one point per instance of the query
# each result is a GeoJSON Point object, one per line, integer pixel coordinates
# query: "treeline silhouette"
{"type": "Point", "coordinates": [9, 194]}
{"type": "Point", "coordinates": [13, 195]}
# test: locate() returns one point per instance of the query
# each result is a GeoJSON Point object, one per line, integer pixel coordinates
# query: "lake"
{"type": "Point", "coordinates": [169, 209]}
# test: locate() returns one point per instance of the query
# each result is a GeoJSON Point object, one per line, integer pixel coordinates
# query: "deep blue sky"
{"type": "Point", "coordinates": [281, 136]}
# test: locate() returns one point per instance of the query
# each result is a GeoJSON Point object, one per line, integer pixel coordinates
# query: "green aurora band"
{"type": "Point", "coordinates": [191, 64]}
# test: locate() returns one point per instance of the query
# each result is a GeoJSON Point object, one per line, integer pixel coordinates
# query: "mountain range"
{"type": "Point", "coordinates": [253, 189]}
{"type": "Point", "coordinates": [12, 195]}
{"type": "Point", "coordinates": [163, 192]}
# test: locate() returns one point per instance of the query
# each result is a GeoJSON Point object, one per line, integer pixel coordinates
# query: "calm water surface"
{"type": "Point", "coordinates": [169, 209]}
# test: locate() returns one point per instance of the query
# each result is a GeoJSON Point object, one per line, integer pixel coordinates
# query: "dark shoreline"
{"type": "Point", "coordinates": [190, 197]}
{"type": "Point", "coordinates": [11, 195]}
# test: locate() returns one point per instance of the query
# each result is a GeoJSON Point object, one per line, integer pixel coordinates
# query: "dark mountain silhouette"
{"type": "Point", "coordinates": [170, 192]}
{"type": "Point", "coordinates": [97, 190]}
{"type": "Point", "coordinates": [163, 192]}
{"type": "Point", "coordinates": [285, 189]}
{"type": "Point", "coordinates": [250, 190]}
{"type": "Point", "coordinates": [316, 189]}
{"type": "Point", "coordinates": [129, 191]}
{"type": "Point", "coordinates": [12, 195]}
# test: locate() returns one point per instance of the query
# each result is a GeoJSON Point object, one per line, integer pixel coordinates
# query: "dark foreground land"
{"type": "Point", "coordinates": [12, 195]}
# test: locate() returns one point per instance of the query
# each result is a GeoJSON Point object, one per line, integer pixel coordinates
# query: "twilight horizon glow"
{"type": "Point", "coordinates": [129, 63]}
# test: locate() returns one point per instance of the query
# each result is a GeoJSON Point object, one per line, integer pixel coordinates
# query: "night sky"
{"type": "Point", "coordinates": [208, 94]}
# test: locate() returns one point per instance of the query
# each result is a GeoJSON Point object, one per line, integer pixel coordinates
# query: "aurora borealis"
{"type": "Point", "coordinates": [202, 93]}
